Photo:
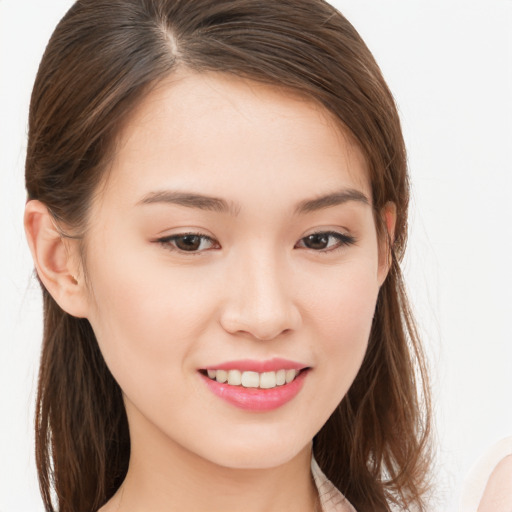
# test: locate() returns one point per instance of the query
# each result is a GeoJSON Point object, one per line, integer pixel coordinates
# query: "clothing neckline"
{"type": "Point", "coordinates": [331, 499]}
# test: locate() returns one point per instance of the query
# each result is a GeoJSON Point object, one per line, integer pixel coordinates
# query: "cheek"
{"type": "Point", "coordinates": [145, 321]}
{"type": "Point", "coordinates": [341, 316]}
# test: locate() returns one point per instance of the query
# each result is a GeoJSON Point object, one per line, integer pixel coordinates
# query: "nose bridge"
{"type": "Point", "coordinates": [260, 302]}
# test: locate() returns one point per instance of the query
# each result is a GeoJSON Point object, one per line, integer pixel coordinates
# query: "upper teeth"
{"type": "Point", "coordinates": [265, 380]}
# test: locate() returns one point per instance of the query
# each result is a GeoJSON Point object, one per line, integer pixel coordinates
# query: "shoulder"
{"type": "Point", "coordinates": [488, 487]}
{"type": "Point", "coordinates": [497, 495]}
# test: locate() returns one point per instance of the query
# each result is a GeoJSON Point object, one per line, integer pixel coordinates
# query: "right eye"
{"type": "Point", "coordinates": [189, 242]}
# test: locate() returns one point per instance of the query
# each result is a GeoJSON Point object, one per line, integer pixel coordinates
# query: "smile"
{"type": "Point", "coordinates": [256, 386]}
{"type": "Point", "coordinates": [251, 379]}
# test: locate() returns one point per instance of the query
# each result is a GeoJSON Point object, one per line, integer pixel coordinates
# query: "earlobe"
{"type": "Point", "coordinates": [388, 214]}
{"type": "Point", "coordinates": [56, 259]}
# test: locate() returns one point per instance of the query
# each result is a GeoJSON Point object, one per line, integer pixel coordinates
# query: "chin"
{"type": "Point", "coordinates": [258, 455]}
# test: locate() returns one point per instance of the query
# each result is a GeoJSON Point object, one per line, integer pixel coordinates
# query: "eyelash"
{"type": "Point", "coordinates": [169, 242]}
{"type": "Point", "coordinates": [342, 240]}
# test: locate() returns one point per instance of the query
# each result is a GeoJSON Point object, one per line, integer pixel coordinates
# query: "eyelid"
{"type": "Point", "coordinates": [166, 242]}
{"type": "Point", "coordinates": [344, 240]}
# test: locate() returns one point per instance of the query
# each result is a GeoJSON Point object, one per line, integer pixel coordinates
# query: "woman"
{"type": "Point", "coordinates": [217, 210]}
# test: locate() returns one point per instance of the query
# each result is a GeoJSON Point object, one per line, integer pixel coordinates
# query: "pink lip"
{"type": "Point", "coordinates": [249, 365]}
{"type": "Point", "coordinates": [256, 399]}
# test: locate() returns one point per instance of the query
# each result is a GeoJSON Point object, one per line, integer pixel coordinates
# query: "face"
{"type": "Point", "coordinates": [234, 239]}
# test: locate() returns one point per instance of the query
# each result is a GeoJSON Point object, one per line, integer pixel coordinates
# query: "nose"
{"type": "Point", "coordinates": [259, 301]}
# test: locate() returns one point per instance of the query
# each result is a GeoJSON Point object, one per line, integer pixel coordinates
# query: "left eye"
{"type": "Point", "coordinates": [325, 241]}
{"type": "Point", "coordinates": [189, 242]}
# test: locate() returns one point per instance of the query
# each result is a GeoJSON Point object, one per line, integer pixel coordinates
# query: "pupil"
{"type": "Point", "coordinates": [318, 241]}
{"type": "Point", "coordinates": [188, 242]}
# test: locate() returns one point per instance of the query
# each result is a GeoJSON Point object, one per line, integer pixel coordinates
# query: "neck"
{"type": "Point", "coordinates": [163, 477]}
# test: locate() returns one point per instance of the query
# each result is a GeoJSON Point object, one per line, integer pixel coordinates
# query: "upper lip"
{"type": "Point", "coordinates": [248, 365]}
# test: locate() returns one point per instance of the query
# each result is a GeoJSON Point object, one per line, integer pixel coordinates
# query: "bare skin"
{"type": "Point", "coordinates": [497, 496]}
{"type": "Point", "coordinates": [286, 488]}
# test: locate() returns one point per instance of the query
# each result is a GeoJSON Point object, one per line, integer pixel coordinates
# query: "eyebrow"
{"type": "Point", "coordinates": [330, 200]}
{"type": "Point", "coordinates": [216, 204]}
{"type": "Point", "coordinates": [191, 200]}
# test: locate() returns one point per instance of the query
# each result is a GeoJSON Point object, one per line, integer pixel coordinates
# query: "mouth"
{"type": "Point", "coordinates": [252, 379]}
{"type": "Point", "coordinates": [240, 384]}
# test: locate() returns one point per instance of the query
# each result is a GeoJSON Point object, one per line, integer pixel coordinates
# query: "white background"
{"type": "Point", "coordinates": [449, 64]}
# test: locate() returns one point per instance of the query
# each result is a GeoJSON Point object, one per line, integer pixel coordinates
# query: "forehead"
{"type": "Point", "coordinates": [214, 130]}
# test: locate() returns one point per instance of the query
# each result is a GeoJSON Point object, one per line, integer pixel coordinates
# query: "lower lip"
{"type": "Point", "coordinates": [256, 399]}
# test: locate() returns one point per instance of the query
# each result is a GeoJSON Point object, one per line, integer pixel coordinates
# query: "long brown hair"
{"type": "Point", "coordinates": [99, 63]}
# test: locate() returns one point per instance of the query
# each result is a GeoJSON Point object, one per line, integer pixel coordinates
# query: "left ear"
{"type": "Point", "coordinates": [388, 215]}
